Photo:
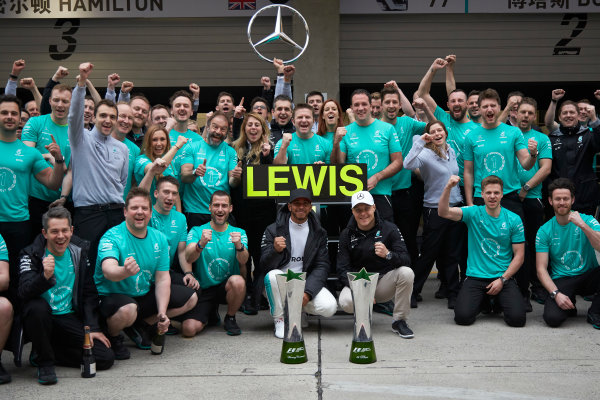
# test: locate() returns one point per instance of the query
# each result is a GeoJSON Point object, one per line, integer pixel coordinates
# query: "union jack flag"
{"type": "Point", "coordinates": [242, 5]}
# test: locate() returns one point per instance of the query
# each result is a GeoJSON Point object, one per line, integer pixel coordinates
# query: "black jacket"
{"type": "Point", "coordinates": [277, 131]}
{"type": "Point", "coordinates": [573, 151]}
{"type": "Point", "coordinates": [316, 257]}
{"type": "Point", "coordinates": [357, 249]}
{"type": "Point", "coordinates": [32, 282]}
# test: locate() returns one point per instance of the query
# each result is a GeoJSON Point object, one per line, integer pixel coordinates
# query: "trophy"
{"type": "Point", "coordinates": [291, 290]}
{"type": "Point", "coordinates": [362, 285]}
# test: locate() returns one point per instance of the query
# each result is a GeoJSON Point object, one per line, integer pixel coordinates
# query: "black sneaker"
{"type": "Point", "coordinates": [527, 302]}
{"type": "Point", "coordinates": [172, 331]}
{"type": "Point", "coordinates": [402, 329]}
{"type": "Point", "coordinates": [33, 358]}
{"type": "Point", "coordinates": [593, 319]}
{"type": "Point", "coordinates": [419, 298]}
{"type": "Point", "coordinates": [47, 375]}
{"type": "Point", "coordinates": [386, 308]}
{"type": "Point", "coordinates": [413, 302]}
{"type": "Point", "coordinates": [248, 307]}
{"type": "Point", "coordinates": [138, 333]}
{"type": "Point", "coordinates": [214, 319]}
{"type": "Point", "coordinates": [451, 302]}
{"type": "Point", "coordinates": [117, 346]}
{"type": "Point", "coordinates": [539, 295]}
{"type": "Point", "coordinates": [231, 326]}
{"type": "Point", "coordinates": [442, 292]}
{"type": "Point", "coordinates": [4, 376]}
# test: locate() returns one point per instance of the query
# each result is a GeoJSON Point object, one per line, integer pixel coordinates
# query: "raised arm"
{"type": "Point", "coordinates": [13, 77]}
{"type": "Point", "coordinates": [77, 104]}
{"type": "Point", "coordinates": [444, 209]}
{"type": "Point", "coordinates": [425, 84]}
{"type": "Point", "coordinates": [450, 81]}
{"type": "Point", "coordinates": [60, 74]}
{"type": "Point", "coordinates": [29, 84]}
{"type": "Point", "coordinates": [549, 121]}
{"type": "Point", "coordinates": [284, 82]}
{"type": "Point", "coordinates": [93, 92]}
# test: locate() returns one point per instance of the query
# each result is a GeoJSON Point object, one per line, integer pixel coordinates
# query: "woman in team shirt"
{"type": "Point", "coordinates": [330, 119]}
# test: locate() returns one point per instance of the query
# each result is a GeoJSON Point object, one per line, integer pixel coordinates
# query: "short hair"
{"type": "Point", "coordinates": [9, 98]}
{"type": "Point", "coordinates": [223, 94]}
{"type": "Point", "coordinates": [530, 101]}
{"type": "Point", "coordinates": [137, 191]}
{"type": "Point", "coordinates": [584, 101]}
{"type": "Point", "coordinates": [180, 93]}
{"type": "Point", "coordinates": [376, 96]}
{"type": "Point", "coordinates": [140, 96]}
{"type": "Point", "coordinates": [159, 107]}
{"type": "Point", "coordinates": [301, 106]}
{"type": "Point", "coordinates": [259, 99]}
{"type": "Point", "coordinates": [561, 183]}
{"type": "Point", "coordinates": [387, 91]}
{"type": "Point", "coordinates": [218, 114]}
{"type": "Point", "coordinates": [473, 93]}
{"type": "Point", "coordinates": [489, 94]}
{"type": "Point", "coordinates": [281, 97]}
{"type": "Point", "coordinates": [62, 87]}
{"type": "Point", "coordinates": [515, 93]}
{"type": "Point", "coordinates": [458, 91]}
{"type": "Point", "coordinates": [105, 102]}
{"type": "Point", "coordinates": [26, 112]}
{"type": "Point", "coordinates": [567, 103]}
{"type": "Point", "coordinates": [167, 179]}
{"type": "Point", "coordinates": [220, 193]}
{"type": "Point", "coordinates": [491, 180]}
{"type": "Point", "coordinates": [315, 93]}
{"type": "Point", "coordinates": [56, 213]}
{"type": "Point", "coordinates": [88, 97]}
{"type": "Point", "coordinates": [360, 91]}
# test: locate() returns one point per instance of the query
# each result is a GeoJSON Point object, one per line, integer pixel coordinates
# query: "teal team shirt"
{"type": "Point", "coordinates": [569, 250]}
{"type": "Point", "coordinates": [457, 132]}
{"type": "Point", "coordinates": [60, 296]}
{"type": "Point", "coordinates": [494, 152]}
{"type": "Point", "coordinates": [189, 134]}
{"type": "Point", "coordinates": [140, 164]}
{"type": "Point", "coordinates": [3, 250]}
{"type": "Point", "coordinates": [490, 241]}
{"type": "Point", "coordinates": [406, 128]}
{"type": "Point", "coordinates": [544, 151]}
{"type": "Point", "coordinates": [151, 254]}
{"type": "Point", "coordinates": [218, 261]}
{"type": "Point", "coordinates": [372, 145]}
{"type": "Point", "coordinates": [134, 152]}
{"type": "Point", "coordinates": [38, 130]}
{"type": "Point", "coordinates": [19, 162]}
{"type": "Point", "coordinates": [173, 226]}
{"type": "Point", "coordinates": [220, 160]}
{"type": "Point", "coordinates": [306, 151]}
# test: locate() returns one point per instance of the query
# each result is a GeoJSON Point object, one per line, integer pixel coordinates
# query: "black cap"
{"type": "Point", "coordinates": [300, 194]}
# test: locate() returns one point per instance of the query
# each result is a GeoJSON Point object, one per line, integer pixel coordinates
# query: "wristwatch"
{"type": "Point", "coordinates": [553, 294]}
{"type": "Point", "coordinates": [526, 187]}
{"type": "Point", "coordinates": [504, 280]}
{"type": "Point", "coordinates": [388, 256]}
{"type": "Point", "coordinates": [60, 160]}
{"type": "Point", "coordinates": [241, 249]}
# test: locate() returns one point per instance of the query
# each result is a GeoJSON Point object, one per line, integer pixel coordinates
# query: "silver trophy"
{"type": "Point", "coordinates": [278, 34]}
{"type": "Point", "coordinates": [362, 286]}
{"type": "Point", "coordinates": [291, 289]}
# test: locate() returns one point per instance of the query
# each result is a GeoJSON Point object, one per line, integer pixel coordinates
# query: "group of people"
{"type": "Point", "coordinates": [130, 219]}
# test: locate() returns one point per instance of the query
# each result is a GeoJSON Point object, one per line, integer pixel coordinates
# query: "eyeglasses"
{"type": "Point", "coordinates": [259, 108]}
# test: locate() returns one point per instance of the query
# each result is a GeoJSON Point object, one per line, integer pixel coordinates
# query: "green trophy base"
{"type": "Point", "coordinates": [293, 353]}
{"type": "Point", "coordinates": [363, 352]}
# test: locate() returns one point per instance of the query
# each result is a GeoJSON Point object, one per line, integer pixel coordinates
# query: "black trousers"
{"type": "Point", "coordinates": [383, 205]}
{"type": "Point", "coordinates": [17, 236]}
{"type": "Point", "coordinates": [442, 242]}
{"type": "Point", "coordinates": [404, 218]}
{"type": "Point", "coordinates": [533, 218]}
{"type": "Point", "coordinates": [473, 293]}
{"type": "Point", "coordinates": [58, 339]}
{"type": "Point", "coordinates": [90, 224]}
{"type": "Point", "coordinates": [585, 285]}
{"type": "Point", "coordinates": [511, 202]}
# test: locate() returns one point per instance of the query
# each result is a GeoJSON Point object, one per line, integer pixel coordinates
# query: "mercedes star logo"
{"type": "Point", "coordinates": [278, 34]}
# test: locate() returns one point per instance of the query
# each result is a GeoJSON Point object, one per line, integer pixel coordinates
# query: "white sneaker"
{"type": "Point", "coordinates": [279, 327]}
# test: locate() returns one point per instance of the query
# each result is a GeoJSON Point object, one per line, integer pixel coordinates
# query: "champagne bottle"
{"type": "Point", "coordinates": [88, 362]}
{"type": "Point", "coordinates": [158, 341]}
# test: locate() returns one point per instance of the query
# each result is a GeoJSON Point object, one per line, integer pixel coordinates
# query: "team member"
{"type": "Point", "coordinates": [573, 150]}
{"type": "Point", "coordinates": [565, 258]}
{"type": "Point", "coordinates": [473, 106]}
{"type": "Point", "coordinates": [20, 162]}
{"type": "Point", "coordinates": [159, 115]}
{"type": "Point", "coordinates": [370, 141]}
{"type": "Point", "coordinates": [303, 146]}
{"type": "Point", "coordinates": [372, 243]}
{"type": "Point", "coordinates": [6, 308]}
{"type": "Point", "coordinates": [282, 118]}
{"type": "Point", "coordinates": [124, 125]}
{"type": "Point", "coordinates": [181, 109]}
{"type": "Point", "coordinates": [208, 165]}
{"type": "Point", "coordinates": [496, 251]}
{"type": "Point", "coordinates": [219, 253]}
{"type": "Point", "coordinates": [100, 167]}
{"type": "Point", "coordinates": [297, 241]}
{"type": "Point", "coordinates": [315, 99]}
{"type": "Point", "coordinates": [39, 132]}
{"type": "Point", "coordinates": [531, 194]}
{"type": "Point", "coordinates": [141, 111]}
{"type": "Point", "coordinates": [57, 286]}
{"type": "Point", "coordinates": [132, 277]}
{"type": "Point", "coordinates": [376, 105]}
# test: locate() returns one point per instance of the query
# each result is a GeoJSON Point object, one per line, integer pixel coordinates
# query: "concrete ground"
{"type": "Point", "coordinates": [487, 360]}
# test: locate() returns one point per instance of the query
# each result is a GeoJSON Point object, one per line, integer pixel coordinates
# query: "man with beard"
{"type": "Point", "coordinates": [473, 106]}
{"type": "Point", "coordinates": [39, 132]}
{"type": "Point", "coordinates": [374, 142]}
{"type": "Point", "coordinates": [219, 253]}
{"type": "Point", "coordinates": [141, 111]}
{"type": "Point", "coordinates": [573, 150]}
{"type": "Point", "coordinates": [303, 146]}
{"type": "Point", "coordinates": [100, 167]}
{"type": "Point", "coordinates": [566, 261]}
{"type": "Point", "coordinates": [376, 99]}
{"type": "Point", "coordinates": [124, 124]}
{"type": "Point", "coordinates": [207, 166]}
{"type": "Point", "coordinates": [181, 110]}
{"type": "Point", "coordinates": [513, 101]}
{"type": "Point", "coordinates": [456, 120]}
{"type": "Point", "coordinates": [496, 248]}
